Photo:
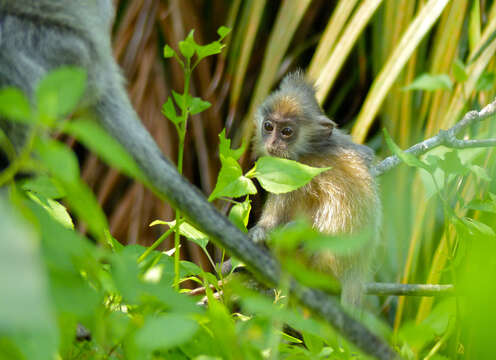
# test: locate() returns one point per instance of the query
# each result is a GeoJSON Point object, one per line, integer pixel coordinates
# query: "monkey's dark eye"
{"type": "Point", "coordinates": [287, 132]}
{"type": "Point", "coordinates": [268, 126]}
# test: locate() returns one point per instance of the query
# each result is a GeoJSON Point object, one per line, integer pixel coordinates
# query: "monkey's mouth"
{"type": "Point", "coordinates": [281, 153]}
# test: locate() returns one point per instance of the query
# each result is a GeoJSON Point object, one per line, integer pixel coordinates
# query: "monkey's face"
{"type": "Point", "coordinates": [279, 134]}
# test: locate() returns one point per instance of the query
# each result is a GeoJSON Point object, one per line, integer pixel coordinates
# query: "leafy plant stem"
{"type": "Point", "coordinates": [155, 244]}
{"type": "Point", "coordinates": [182, 134]}
{"type": "Point", "coordinates": [275, 336]}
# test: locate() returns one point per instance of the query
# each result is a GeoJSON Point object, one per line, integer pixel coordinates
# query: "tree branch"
{"type": "Point", "coordinates": [444, 137]}
{"type": "Point", "coordinates": [409, 289]}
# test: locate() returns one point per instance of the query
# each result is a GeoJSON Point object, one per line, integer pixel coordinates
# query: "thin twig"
{"type": "Point", "coordinates": [444, 137]}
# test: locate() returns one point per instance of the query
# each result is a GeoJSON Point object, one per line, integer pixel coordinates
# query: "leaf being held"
{"type": "Point", "coordinates": [231, 182]}
{"type": "Point", "coordinates": [278, 175]}
{"type": "Point", "coordinates": [431, 82]}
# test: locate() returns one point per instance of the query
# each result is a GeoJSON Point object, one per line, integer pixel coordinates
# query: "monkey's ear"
{"type": "Point", "coordinates": [327, 123]}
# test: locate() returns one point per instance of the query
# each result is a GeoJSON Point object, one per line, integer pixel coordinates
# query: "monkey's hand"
{"type": "Point", "coordinates": [257, 234]}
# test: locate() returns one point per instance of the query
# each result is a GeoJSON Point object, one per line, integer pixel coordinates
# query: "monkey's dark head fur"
{"type": "Point", "coordinates": [290, 122]}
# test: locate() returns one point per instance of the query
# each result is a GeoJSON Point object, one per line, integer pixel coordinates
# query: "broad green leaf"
{"type": "Point", "coordinates": [231, 182]}
{"type": "Point", "coordinates": [168, 52]}
{"type": "Point", "coordinates": [188, 45]}
{"type": "Point", "coordinates": [278, 175]}
{"type": "Point", "coordinates": [25, 304]}
{"type": "Point", "coordinates": [59, 93]}
{"type": "Point", "coordinates": [56, 210]}
{"type": "Point", "coordinates": [486, 82]}
{"type": "Point", "coordinates": [198, 105]}
{"type": "Point", "coordinates": [15, 106]}
{"type": "Point", "coordinates": [480, 172]}
{"type": "Point", "coordinates": [95, 138]}
{"type": "Point", "coordinates": [407, 158]}
{"type": "Point", "coordinates": [213, 48]}
{"type": "Point", "coordinates": [487, 205]}
{"type": "Point", "coordinates": [478, 228]}
{"type": "Point", "coordinates": [459, 71]}
{"type": "Point", "coordinates": [240, 214]}
{"type": "Point", "coordinates": [165, 331]}
{"type": "Point", "coordinates": [169, 111]}
{"type": "Point", "coordinates": [187, 230]}
{"type": "Point", "coordinates": [84, 203]}
{"type": "Point", "coordinates": [59, 159]}
{"type": "Point", "coordinates": [225, 147]}
{"type": "Point", "coordinates": [431, 82]}
{"type": "Point", "coordinates": [223, 31]}
{"type": "Point", "coordinates": [43, 185]}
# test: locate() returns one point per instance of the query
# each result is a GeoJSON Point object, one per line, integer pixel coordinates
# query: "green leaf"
{"type": "Point", "coordinates": [165, 331]}
{"type": "Point", "coordinates": [225, 147]}
{"type": "Point", "coordinates": [459, 71]}
{"type": "Point", "coordinates": [486, 82]}
{"type": "Point", "coordinates": [451, 164]}
{"type": "Point", "coordinates": [188, 46]}
{"type": "Point", "coordinates": [95, 138]}
{"type": "Point", "coordinates": [231, 182]}
{"type": "Point", "coordinates": [180, 101]}
{"type": "Point", "coordinates": [407, 158]}
{"type": "Point", "coordinates": [56, 210]}
{"type": "Point", "coordinates": [240, 214]}
{"type": "Point", "coordinates": [15, 106]}
{"type": "Point", "coordinates": [59, 160]}
{"type": "Point", "coordinates": [25, 304]}
{"type": "Point", "coordinates": [189, 231]}
{"type": "Point", "coordinates": [168, 52]}
{"type": "Point", "coordinates": [431, 82]}
{"type": "Point", "coordinates": [169, 111]}
{"type": "Point", "coordinates": [223, 31]}
{"type": "Point", "coordinates": [478, 228]}
{"type": "Point", "coordinates": [487, 205]}
{"type": "Point", "coordinates": [278, 175]}
{"type": "Point", "coordinates": [59, 93]}
{"type": "Point", "coordinates": [209, 49]}
{"type": "Point", "coordinates": [198, 105]}
{"type": "Point", "coordinates": [480, 172]}
{"type": "Point", "coordinates": [84, 203]}
{"type": "Point", "coordinates": [43, 185]}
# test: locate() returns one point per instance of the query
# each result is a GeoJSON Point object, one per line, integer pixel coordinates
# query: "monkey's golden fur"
{"type": "Point", "coordinates": [342, 200]}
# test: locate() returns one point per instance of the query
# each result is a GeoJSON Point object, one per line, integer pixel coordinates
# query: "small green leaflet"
{"type": "Point", "coordinates": [278, 175]}
{"type": "Point", "coordinates": [231, 182]}
{"type": "Point", "coordinates": [240, 214]}
{"type": "Point", "coordinates": [168, 52]}
{"type": "Point", "coordinates": [431, 82]}
{"type": "Point", "coordinates": [169, 111]}
{"type": "Point", "coordinates": [188, 45]}
{"type": "Point", "coordinates": [187, 230]}
{"type": "Point", "coordinates": [223, 31]}
{"type": "Point", "coordinates": [407, 158]}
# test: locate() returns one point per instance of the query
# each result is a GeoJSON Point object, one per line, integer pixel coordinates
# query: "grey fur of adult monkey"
{"type": "Point", "coordinates": [341, 201]}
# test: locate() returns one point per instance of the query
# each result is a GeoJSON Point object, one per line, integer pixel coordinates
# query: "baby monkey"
{"type": "Point", "coordinates": [343, 200]}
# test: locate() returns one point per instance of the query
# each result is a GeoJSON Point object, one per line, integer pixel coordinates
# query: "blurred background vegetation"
{"type": "Point", "coordinates": [362, 55]}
